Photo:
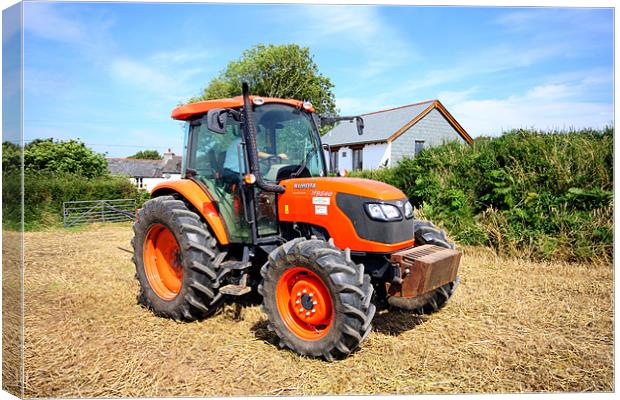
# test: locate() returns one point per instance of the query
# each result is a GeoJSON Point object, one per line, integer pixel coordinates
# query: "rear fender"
{"type": "Point", "coordinates": [195, 195]}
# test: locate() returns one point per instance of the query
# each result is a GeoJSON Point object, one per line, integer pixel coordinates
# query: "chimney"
{"type": "Point", "coordinates": [168, 156]}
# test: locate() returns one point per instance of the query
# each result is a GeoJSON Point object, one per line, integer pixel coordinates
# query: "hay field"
{"type": "Point", "coordinates": [512, 326]}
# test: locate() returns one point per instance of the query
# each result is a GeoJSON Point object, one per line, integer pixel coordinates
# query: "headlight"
{"type": "Point", "coordinates": [383, 212]}
{"type": "Point", "coordinates": [408, 210]}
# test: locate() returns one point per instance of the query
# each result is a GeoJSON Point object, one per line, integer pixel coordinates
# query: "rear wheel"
{"type": "Point", "coordinates": [317, 300]}
{"type": "Point", "coordinates": [426, 232]}
{"type": "Point", "coordinates": [177, 261]}
{"type": "Point", "coordinates": [162, 262]}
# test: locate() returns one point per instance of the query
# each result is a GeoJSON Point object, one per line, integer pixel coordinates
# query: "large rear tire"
{"type": "Point", "coordinates": [317, 300]}
{"type": "Point", "coordinates": [176, 261]}
{"type": "Point", "coordinates": [426, 232]}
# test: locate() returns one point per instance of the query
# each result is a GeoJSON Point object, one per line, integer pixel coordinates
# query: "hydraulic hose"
{"type": "Point", "coordinates": [250, 139]}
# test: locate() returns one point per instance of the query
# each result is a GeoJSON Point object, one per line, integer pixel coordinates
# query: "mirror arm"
{"type": "Point", "coordinates": [332, 120]}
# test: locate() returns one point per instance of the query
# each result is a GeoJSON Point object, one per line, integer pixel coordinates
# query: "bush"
{"type": "Point", "coordinates": [547, 194]}
{"type": "Point", "coordinates": [70, 156]}
{"type": "Point", "coordinates": [44, 193]}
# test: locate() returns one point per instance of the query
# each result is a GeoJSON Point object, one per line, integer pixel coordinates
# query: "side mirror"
{"type": "Point", "coordinates": [359, 121]}
{"type": "Point", "coordinates": [216, 120]}
{"type": "Point", "coordinates": [326, 147]}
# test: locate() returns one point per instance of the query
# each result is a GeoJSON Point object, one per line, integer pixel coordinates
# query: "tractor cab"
{"type": "Point", "coordinates": [287, 144]}
{"type": "Point", "coordinates": [242, 167]}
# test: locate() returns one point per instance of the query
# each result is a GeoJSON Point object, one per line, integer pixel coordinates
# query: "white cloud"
{"type": "Point", "coordinates": [179, 56]}
{"type": "Point", "coordinates": [529, 20]}
{"type": "Point", "coordinates": [550, 92]}
{"type": "Point", "coordinates": [359, 29]}
{"type": "Point", "coordinates": [457, 96]}
{"type": "Point", "coordinates": [359, 105]}
{"type": "Point", "coordinates": [44, 21]}
{"type": "Point", "coordinates": [547, 106]}
{"type": "Point", "coordinates": [167, 83]}
{"type": "Point", "coordinates": [135, 73]}
{"type": "Point", "coordinates": [499, 58]}
{"type": "Point", "coordinates": [164, 74]}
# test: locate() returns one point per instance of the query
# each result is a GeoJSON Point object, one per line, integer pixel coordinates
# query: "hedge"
{"type": "Point", "coordinates": [542, 194]}
{"type": "Point", "coordinates": [45, 192]}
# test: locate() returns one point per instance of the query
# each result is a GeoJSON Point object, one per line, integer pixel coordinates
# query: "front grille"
{"type": "Point", "coordinates": [388, 232]}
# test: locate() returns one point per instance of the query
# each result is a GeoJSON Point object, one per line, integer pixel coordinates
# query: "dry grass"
{"type": "Point", "coordinates": [512, 326]}
{"type": "Point", "coordinates": [11, 313]}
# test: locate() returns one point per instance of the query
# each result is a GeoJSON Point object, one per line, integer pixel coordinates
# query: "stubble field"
{"type": "Point", "coordinates": [512, 326]}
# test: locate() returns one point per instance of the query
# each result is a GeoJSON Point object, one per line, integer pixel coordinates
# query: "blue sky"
{"type": "Point", "coordinates": [110, 73]}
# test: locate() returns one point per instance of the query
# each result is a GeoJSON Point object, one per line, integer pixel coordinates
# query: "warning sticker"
{"type": "Point", "coordinates": [286, 209]}
{"type": "Point", "coordinates": [320, 210]}
{"type": "Point", "coordinates": [325, 201]}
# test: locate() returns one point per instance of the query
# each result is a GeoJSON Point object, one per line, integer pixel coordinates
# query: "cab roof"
{"type": "Point", "coordinates": [186, 111]}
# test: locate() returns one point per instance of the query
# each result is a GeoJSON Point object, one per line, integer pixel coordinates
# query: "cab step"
{"type": "Point", "coordinates": [235, 290]}
{"type": "Point", "coordinates": [235, 265]}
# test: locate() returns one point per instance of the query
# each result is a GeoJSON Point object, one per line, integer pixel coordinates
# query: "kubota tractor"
{"type": "Point", "coordinates": [256, 211]}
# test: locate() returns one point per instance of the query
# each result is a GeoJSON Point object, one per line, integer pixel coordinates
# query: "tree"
{"type": "Point", "coordinates": [285, 71]}
{"type": "Point", "coordinates": [147, 155]}
{"type": "Point", "coordinates": [70, 156]}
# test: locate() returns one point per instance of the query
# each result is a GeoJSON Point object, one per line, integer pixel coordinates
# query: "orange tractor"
{"type": "Point", "coordinates": [257, 212]}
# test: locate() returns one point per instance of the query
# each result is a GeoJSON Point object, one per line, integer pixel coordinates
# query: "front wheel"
{"type": "Point", "coordinates": [317, 300]}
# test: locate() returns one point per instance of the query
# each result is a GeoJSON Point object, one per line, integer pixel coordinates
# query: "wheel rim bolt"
{"type": "Point", "coordinates": [298, 294]}
{"type": "Point", "coordinates": [297, 302]}
{"type": "Point", "coordinates": [304, 291]}
{"type": "Point", "coordinates": [315, 303]}
{"type": "Point", "coordinates": [307, 313]}
{"type": "Point", "coordinates": [301, 309]}
{"type": "Point", "coordinates": [311, 294]}
{"type": "Point", "coordinates": [313, 310]}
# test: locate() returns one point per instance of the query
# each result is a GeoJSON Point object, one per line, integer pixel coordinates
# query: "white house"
{"type": "Point", "coordinates": [391, 135]}
{"type": "Point", "coordinates": [145, 174]}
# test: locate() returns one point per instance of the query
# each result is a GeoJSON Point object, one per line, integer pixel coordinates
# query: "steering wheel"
{"type": "Point", "coordinates": [269, 161]}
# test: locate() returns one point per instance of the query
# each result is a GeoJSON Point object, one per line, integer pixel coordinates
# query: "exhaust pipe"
{"type": "Point", "coordinates": [250, 140]}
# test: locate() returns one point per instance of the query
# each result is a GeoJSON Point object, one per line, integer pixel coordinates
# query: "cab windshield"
{"type": "Point", "coordinates": [287, 142]}
{"type": "Point", "coordinates": [286, 139]}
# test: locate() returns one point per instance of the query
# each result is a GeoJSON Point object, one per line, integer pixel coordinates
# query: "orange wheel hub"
{"type": "Point", "coordinates": [162, 262]}
{"type": "Point", "coordinates": [304, 303]}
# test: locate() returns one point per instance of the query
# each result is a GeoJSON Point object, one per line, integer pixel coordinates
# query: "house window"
{"type": "Point", "coordinates": [419, 146]}
{"type": "Point", "coordinates": [333, 158]}
{"type": "Point", "coordinates": [357, 159]}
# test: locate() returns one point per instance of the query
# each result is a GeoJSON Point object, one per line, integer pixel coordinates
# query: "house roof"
{"type": "Point", "coordinates": [135, 167]}
{"type": "Point", "coordinates": [387, 125]}
{"type": "Point", "coordinates": [144, 168]}
{"type": "Point", "coordinates": [173, 165]}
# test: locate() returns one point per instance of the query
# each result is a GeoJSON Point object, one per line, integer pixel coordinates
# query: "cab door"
{"type": "Point", "coordinates": [217, 161]}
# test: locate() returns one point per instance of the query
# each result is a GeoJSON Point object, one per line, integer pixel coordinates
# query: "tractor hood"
{"type": "Point", "coordinates": [338, 205]}
{"type": "Point", "coordinates": [355, 186]}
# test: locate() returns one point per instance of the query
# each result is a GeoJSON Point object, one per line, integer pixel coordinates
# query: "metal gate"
{"type": "Point", "coordinates": [89, 211]}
